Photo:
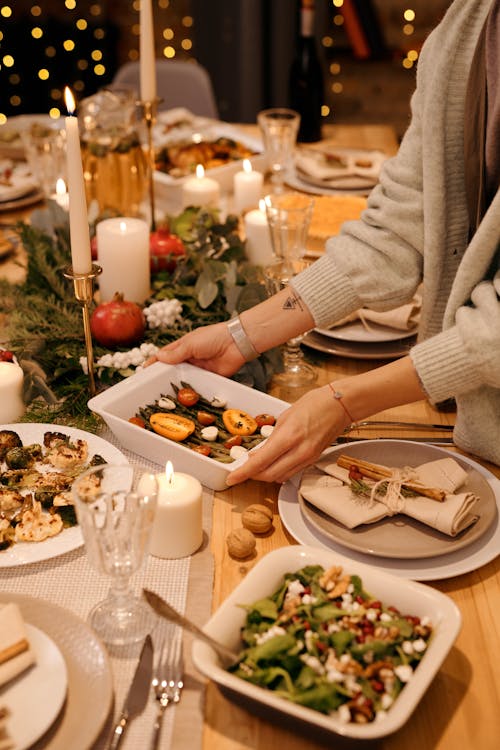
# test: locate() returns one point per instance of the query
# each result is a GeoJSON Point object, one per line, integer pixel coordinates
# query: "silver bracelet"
{"type": "Point", "coordinates": [245, 346]}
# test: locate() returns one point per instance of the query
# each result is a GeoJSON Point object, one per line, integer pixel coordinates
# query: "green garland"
{"type": "Point", "coordinates": [44, 324]}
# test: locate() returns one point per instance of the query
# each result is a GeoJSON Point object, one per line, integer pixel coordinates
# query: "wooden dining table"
{"type": "Point", "coordinates": [461, 708]}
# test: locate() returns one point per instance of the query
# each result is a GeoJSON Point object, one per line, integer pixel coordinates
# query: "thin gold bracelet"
{"type": "Point", "coordinates": [339, 396]}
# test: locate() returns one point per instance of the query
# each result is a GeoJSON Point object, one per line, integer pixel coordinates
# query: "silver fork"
{"type": "Point", "coordinates": [167, 682]}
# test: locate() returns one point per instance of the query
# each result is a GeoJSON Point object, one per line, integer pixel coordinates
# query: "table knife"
{"type": "Point", "coordinates": [430, 440]}
{"type": "Point", "coordinates": [138, 693]}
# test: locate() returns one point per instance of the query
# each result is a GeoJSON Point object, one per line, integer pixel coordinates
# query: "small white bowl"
{"type": "Point", "coordinates": [267, 575]}
{"type": "Point", "coordinates": [120, 402]}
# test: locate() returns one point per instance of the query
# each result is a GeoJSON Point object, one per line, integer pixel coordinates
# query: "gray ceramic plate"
{"type": "Point", "coordinates": [400, 536]}
{"type": "Point", "coordinates": [357, 349]}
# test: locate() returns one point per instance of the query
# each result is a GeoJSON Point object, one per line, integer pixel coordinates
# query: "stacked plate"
{"type": "Point", "coordinates": [358, 341]}
{"type": "Point", "coordinates": [400, 544]}
{"type": "Point", "coordinates": [329, 170]}
{"type": "Point", "coordinates": [18, 187]}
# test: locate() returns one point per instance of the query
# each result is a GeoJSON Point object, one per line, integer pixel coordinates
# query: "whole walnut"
{"type": "Point", "coordinates": [257, 518]}
{"type": "Point", "coordinates": [240, 543]}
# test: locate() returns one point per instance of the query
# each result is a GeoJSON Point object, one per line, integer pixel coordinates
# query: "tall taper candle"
{"type": "Point", "coordinates": [147, 53]}
{"type": "Point", "coordinates": [81, 257]}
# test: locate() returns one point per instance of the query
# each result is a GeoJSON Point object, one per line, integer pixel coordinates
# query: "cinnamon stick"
{"type": "Point", "coordinates": [379, 472]}
{"type": "Point", "coordinates": [14, 650]}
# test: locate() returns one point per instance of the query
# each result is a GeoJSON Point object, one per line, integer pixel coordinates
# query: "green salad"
{"type": "Point", "coordinates": [324, 642]}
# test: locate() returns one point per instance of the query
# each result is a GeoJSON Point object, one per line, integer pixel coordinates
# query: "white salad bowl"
{"type": "Point", "coordinates": [408, 596]}
{"type": "Point", "coordinates": [120, 402]}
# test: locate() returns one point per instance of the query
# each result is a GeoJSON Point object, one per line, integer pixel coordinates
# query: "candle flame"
{"type": "Point", "coordinates": [247, 166]}
{"type": "Point", "coordinates": [69, 99]}
{"type": "Point", "coordinates": [169, 472]}
{"type": "Point", "coordinates": [262, 205]}
{"type": "Point", "coordinates": [200, 172]}
{"type": "Point", "coordinates": [123, 228]}
{"type": "Point", "coordinates": [60, 187]}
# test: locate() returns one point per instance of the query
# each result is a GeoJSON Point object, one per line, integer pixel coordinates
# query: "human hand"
{"type": "Point", "coordinates": [299, 437]}
{"type": "Point", "coordinates": [210, 347]}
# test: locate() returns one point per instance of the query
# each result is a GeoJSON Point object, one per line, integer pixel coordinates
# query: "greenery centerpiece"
{"type": "Point", "coordinates": [209, 283]}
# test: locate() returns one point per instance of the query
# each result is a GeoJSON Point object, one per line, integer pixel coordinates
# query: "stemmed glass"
{"type": "Point", "coordinates": [289, 216]}
{"type": "Point", "coordinates": [115, 506]}
{"type": "Point", "coordinates": [279, 128]}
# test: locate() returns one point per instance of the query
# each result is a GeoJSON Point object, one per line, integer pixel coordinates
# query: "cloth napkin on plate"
{"type": "Point", "coordinates": [327, 487]}
{"type": "Point", "coordinates": [337, 168]}
{"type": "Point", "coordinates": [15, 652]}
{"type": "Point", "coordinates": [402, 318]}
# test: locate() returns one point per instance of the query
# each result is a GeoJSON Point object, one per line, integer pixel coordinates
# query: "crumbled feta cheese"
{"type": "Point", "coordinates": [407, 647]}
{"type": "Point", "coordinates": [386, 701]}
{"type": "Point", "coordinates": [314, 663]}
{"type": "Point", "coordinates": [308, 599]}
{"type": "Point", "coordinates": [294, 589]}
{"type": "Point", "coordinates": [425, 620]}
{"type": "Point", "coordinates": [385, 617]}
{"type": "Point", "coordinates": [350, 588]}
{"type": "Point", "coordinates": [333, 675]}
{"type": "Point", "coordinates": [404, 672]}
{"type": "Point", "coordinates": [209, 433]}
{"type": "Point", "coordinates": [371, 614]}
{"type": "Point", "coordinates": [268, 634]}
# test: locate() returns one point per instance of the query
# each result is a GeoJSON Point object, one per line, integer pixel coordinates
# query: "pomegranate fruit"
{"type": "Point", "coordinates": [164, 249]}
{"type": "Point", "coordinates": [117, 323]}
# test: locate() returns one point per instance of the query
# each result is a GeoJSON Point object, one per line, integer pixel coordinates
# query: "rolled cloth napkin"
{"type": "Point", "coordinates": [402, 318]}
{"type": "Point", "coordinates": [15, 652]}
{"type": "Point", "coordinates": [327, 487]}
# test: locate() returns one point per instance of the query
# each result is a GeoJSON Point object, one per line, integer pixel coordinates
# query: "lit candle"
{"type": "Point", "coordinates": [123, 248]}
{"type": "Point", "coordinates": [258, 248]}
{"type": "Point", "coordinates": [177, 528]}
{"type": "Point", "coordinates": [247, 186]}
{"type": "Point", "coordinates": [147, 53]}
{"type": "Point", "coordinates": [78, 217]}
{"type": "Point", "coordinates": [61, 196]}
{"type": "Point", "coordinates": [11, 392]}
{"type": "Point", "coordinates": [200, 190]}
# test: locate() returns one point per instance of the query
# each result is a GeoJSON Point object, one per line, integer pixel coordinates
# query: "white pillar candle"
{"type": "Point", "coordinates": [147, 53]}
{"type": "Point", "coordinates": [78, 217]}
{"type": "Point", "coordinates": [247, 185]}
{"type": "Point", "coordinates": [11, 392]}
{"type": "Point", "coordinates": [200, 190]}
{"type": "Point", "coordinates": [258, 248]}
{"type": "Point", "coordinates": [177, 528]}
{"type": "Point", "coordinates": [123, 252]}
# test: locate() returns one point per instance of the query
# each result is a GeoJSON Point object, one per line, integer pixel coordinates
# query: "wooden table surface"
{"type": "Point", "coordinates": [461, 708]}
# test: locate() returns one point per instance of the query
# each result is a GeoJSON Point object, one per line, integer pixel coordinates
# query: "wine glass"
{"type": "Point", "coordinates": [289, 216]}
{"type": "Point", "coordinates": [279, 128]}
{"type": "Point", "coordinates": [115, 506]}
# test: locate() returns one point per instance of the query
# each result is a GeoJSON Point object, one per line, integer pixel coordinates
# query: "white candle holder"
{"type": "Point", "coordinates": [83, 284]}
{"type": "Point", "coordinates": [149, 110]}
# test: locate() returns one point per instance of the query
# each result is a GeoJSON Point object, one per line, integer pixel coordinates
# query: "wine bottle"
{"type": "Point", "coordinates": [306, 77]}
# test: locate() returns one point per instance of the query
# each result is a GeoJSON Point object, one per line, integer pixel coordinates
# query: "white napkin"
{"type": "Point", "coordinates": [13, 640]}
{"type": "Point", "coordinates": [326, 486]}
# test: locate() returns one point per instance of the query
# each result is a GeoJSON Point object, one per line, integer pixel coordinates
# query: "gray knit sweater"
{"type": "Point", "coordinates": [415, 229]}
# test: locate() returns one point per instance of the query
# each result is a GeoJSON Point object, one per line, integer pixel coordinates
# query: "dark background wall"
{"type": "Point", "coordinates": [246, 45]}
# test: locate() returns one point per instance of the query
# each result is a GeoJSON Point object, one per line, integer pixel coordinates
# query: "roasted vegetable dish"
{"type": "Point", "coordinates": [182, 159]}
{"type": "Point", "coordinates": [35, 485]}
{"type": "Point", "coordinates": [324, 642]}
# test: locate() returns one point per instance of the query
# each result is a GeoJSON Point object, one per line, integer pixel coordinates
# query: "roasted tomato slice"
{"type": "Point", "coordinates": [139, 421]}
{"type": "Point", "coordinates": [172, 426]}
{"type": "Point", "coordinates": [187, 396]}
{"type": "Point", "coordinates": [239, 422]}
{"type": "Point", "coordinates": [263, 419]}
{"type": "Point", "coordinates": [203, 449]}
{"type": "Point", "coordinates": [205, 418]}
{"type": "Point", "coordinates": [235, 440]}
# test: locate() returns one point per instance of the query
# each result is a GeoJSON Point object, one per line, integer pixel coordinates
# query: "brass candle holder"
{"type": "Point", "coordinates": [83, 284]}
{"type": "Point", "coordinates": [149, 109]}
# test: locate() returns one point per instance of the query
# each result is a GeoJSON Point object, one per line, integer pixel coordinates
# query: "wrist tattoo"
{"type": "Point", "coordinates": [293, 301]}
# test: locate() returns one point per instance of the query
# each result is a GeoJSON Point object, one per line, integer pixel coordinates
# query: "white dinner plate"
{"type": "Point", "coordinates": [371, 333]}
{"type": "Point", "coordinates": [23, 553]}
{"type": "Point", "coordinates": [293, 180]}
{"type": "Point", "coordinates": [37, 693]}
{"type": "Point", "coordinates": [480, 552]}
{"type": "Point", "coordinates": [89, 676]}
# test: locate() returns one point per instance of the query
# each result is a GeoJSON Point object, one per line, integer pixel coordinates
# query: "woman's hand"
{"type": "Point", "coordinates": [211, 348]}
{"type": "Point", "coordinates": [301, 434]}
